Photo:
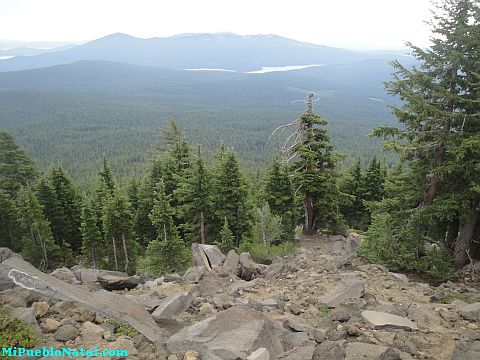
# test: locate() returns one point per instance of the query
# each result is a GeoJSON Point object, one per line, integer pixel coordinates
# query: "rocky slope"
{"type": "Point", "coordinates": [320, 303]}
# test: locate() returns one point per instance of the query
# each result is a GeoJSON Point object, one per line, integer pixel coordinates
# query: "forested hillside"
{"type": "Point", "coordinates": [73, 114]}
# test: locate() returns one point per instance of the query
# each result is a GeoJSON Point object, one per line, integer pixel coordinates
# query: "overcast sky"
{"type": "Point", "coordinates": [372, 24]}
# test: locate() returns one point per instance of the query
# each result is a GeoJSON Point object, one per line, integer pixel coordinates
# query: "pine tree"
{"type": "Point", "coordinates": [167, 253]}
{"type": "Point", "coordinates": [438, 139]}
{"type": "Point", "coordinates": [54, 213]}
{"type": "Point", "coordinates": [225, 244]}
{"type": "Point", "coordinates": [118, 231]}
{"type": "Point", "coordinates": [352, 194]}
{"type": "Point", "coordinates": [10, 234]}
{"type": "Point", "coordinates": [314, 170]}
{"type": "Point", "coordinates": [195, 199]}
{"type": "Point", "coordinates": [16, 168]}
{"type": "Point", "coordinates": [38, 246]}
{"type": "Point", "coordinates": [92, 239]}
{"type": "Point", "coordinates": [279, 194]}
{"type": "Point", "coordinates": [231, 196]}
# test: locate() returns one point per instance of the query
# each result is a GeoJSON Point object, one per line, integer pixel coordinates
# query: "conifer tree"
{"type": "Point", "coordinates": [195, 199]}
{"type": "Point", "coordinates": [231, 196]}
{"type": "Point", "coordinates": [69, 201]}
{"type": "Point", "coordinates": [10, 234]}
{"type": "Point", "coordinates": [438, 139]}
{"type": "Point", "coordinates": [167, 253]}
{"type": "Point", "coordinates": [352, 194]}
{"type": "Point", "coordinates": [38, 246]}
{"type": "Point", "coordinates": [16, 168]}
{"type": "Point", "coordinates": [279, 194]}
{"type": "Point", "coordinates": [92, 239]}
{"type": "Point", "coordinates": [225, 243]}
{"type": "Point", "coordinates": [117, 227]}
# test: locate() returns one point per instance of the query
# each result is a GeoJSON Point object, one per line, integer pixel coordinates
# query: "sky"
{"type": "Point", "coordinates": [357, 24]}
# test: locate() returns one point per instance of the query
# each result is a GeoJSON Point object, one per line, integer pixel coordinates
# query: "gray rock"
{"type": "Point", "coordinates": [248, 268]}
{"type": "Point", "coordinates": [40, 308]}
{"type": "Point", "coordinates": [269, 303]}
{"type": "Point", "coordinates": [111, 280]}
{"type": "Point", "coordinates": [170, 326]}
{"type": "Point", "coordinates": [21, 273]}
{"type": "Point", "coordinates": [208, 256]}
{"type": "Point", "coordinates": [173, 278]}
{"type": "Point", "coordinates": [297, 325]}
{"type": "Point", "coordinates": [194, 274]}
{"type": "Point", "coordinates": [232, 262]}
{"type": "Point", "coordinates": [352, 243]}
{"type": "Point", "coordinates": [50, 325]}
{"type": "Point", "coordinates": [299, 353]}
{"type": "Point", "coordinates": [259, 354]}
{"type": "Point", "coordinates": [223, 301]}
{"type": "Point", "coordinates": [65, 274]}
{"type": "Point", "coordinates": [25, 314]}
{"type": "Point", "coordinates": [466, 350]}
{"type": "Point", "coordinates": [87, 275]}
{"type": "Point", "coordinates": [380, 320]}
{"type": "Point", "coordinates": [65, 333]}
{"type": "Point", "coordinates": [229, 335]}
{"type": "Point", "coordinates": [330, 350]}
{"type": "Point", "coordinates": [91, 332]}
{"type": "Point", "coordinates": [423, 288]}
{"type": "Point", "coordinates": [173, 305]}
{"type": "Point", "coordinates": [349, 288]}
{"type": "Point", "coordinates": [399, 277]}
{"type": "Point", "coordinates": [297, 339]}
{"type": "Point", "coordinates": [356, 351]}
{"type": "Point", "coordinates": [469, 312]}
{"type": "Point", "coordinates": [18, 297]}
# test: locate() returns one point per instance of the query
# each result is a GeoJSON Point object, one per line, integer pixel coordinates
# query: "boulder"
{"type": "Point", "coordinates": [469, 312]}
{"type": "Point", "coordinates": [357, 350]}
{"type": "Point", "coordinates": [229, 335]}
{"type": "Point", "coordinates": [86, 276]}
{"type": "Point", "coordinates": [50, 325]}
{"type": "Point", "coordinates": [65, 333]}
{"type": "Point", "coordinates": [113, 280]}
{"type": "Point", "coordinates": [124, 343]}
{"type": "Point", "coordinates": [299, 353]}
{"type": "Point", "coordinates": [352, 243]}
{"type": "Point", "coordinates": [380, 320]}
{"type": "Point", "coordinates": [466, 350]}
{"type": "Point", "coordinates": [40, 308]}
{"type": "Point", "coordinates": [223, 301]}
{"type": "Point", "coordinates": [91, 332]}
{"type": "Point", "coordinates": [248, 268]}
{"type": "Point", "coordinates": [173, 278]}
{"type": "Point", "coordinates": [18, 297]}
{"type": "Point", "coordinates": [208, 256]}
{"type": "Point", "coordinates": [259, 354]}
{"type": "Point", "coordinates": [399, 277]}
{"type": "Point", "coordinates": [297, 325]}
{"type": "Point", "coordinates": [20, 273]}
{"type": "Point", "coordinates": [349, 288]}
{"type": "Point", "coordinates": [173, 305]}
{"type": "Point", "coordinates": [65, 274]}
{"type": "Point", "coordinates": [25, 314]}
{"type": "Point", "coordinates": [232, 262]}
{"type": "Point", "coordinates": [194, 274]}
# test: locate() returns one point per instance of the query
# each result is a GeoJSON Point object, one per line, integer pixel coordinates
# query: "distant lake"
{"type": "Point", "coordinates": [263, 70]}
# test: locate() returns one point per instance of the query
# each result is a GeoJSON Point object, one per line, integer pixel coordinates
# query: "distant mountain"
{"type": "Point", "coordinates": [219, 50]}
{"type": "Point", "coordinates": [29, 51]}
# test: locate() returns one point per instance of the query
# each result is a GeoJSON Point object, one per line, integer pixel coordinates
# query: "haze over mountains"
{"type": "Point", "coordinates": [110, 96]}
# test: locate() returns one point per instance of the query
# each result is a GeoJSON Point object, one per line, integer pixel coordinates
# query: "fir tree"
{"type": "Point", "coordinates": [10, 234]}
{"type": "Point", "coordinates": [38, 246]}
{"type": "Point", "coordinates": [16, 168]}
{"type": "Point", "coordinates": [167, 253]}
{"type": "Point", "coordinates": [196, 201]}
{"type": "Point", "coordinates": [352, 193]}
{"type": "Point", "coordinates": [438, 139]}
{"type": "Point", "coordinates": [279, 194]}
{"type": "Point", "coordinates": [92, 240]}
{"type": "Point", "coordinates": [231, 196]}
{"type": "Point", "coordinates": [117, 227]}
{"type": "Point", "coordinates": [225, 244]}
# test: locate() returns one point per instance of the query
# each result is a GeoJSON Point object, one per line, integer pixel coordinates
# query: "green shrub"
{"type": "Point", "coordinates": [122, 329]}
{"type": "Point", "coordinates": [437, 265]}
{"type": "Point", "coordinates": [264, 253]}
{"type": "Point", "coordinates": [469, 299]}
{"type": "Point", "coordinates": [16, 333]}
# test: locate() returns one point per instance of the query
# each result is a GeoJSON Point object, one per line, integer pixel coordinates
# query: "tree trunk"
{"type": "Point", "coordinates": [115, 253]}
{"type": "Point", "coordinates": [125, 252]}
{"type": "Point", "coordinates": [464, 239]}
{"type": "Point", "coordinates": [202, 227]}
{"type": "Point", "coordinates": [452, 233]}
{"type": "Point", "coordinates": [309, 228]}
{"type": "Point", "coordinates": [94, 260]}
{"type": "Point", "coordinates": [44, 247]}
